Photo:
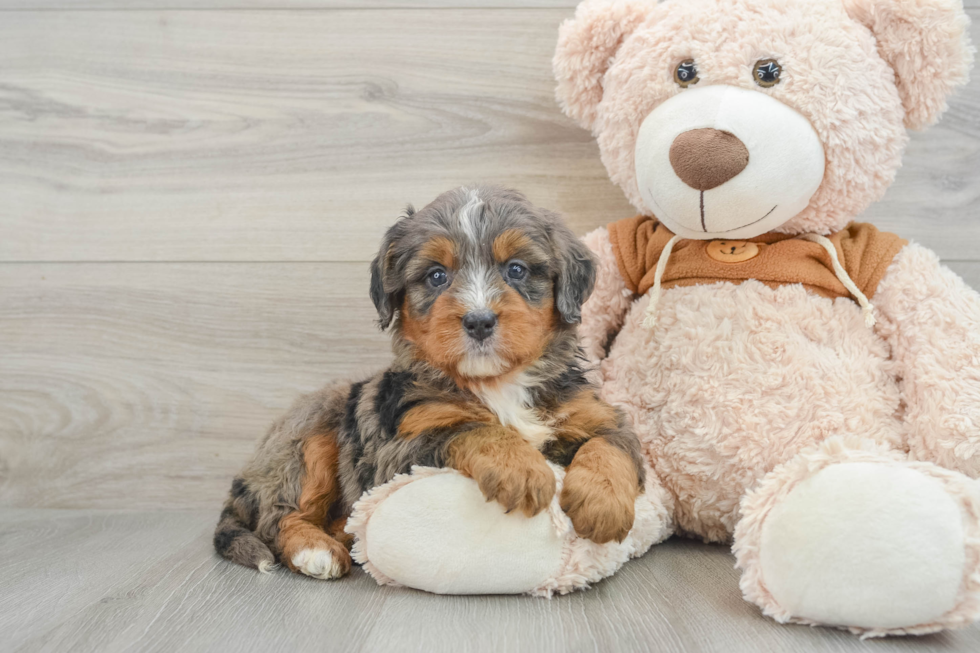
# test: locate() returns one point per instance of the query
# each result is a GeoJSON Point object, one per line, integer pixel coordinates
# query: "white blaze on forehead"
{"type": "Point", "coordinates": [469, 215]}
{"type": "Point", "coordinates": [475, 283]}
{"type": "Point", "coordinates": [475, 287]}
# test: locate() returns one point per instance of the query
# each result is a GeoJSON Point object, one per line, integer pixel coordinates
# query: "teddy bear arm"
{"type": "Point", "coordinates": [603, 313]}
{"type": "Point", "coordinates": [931, 320]}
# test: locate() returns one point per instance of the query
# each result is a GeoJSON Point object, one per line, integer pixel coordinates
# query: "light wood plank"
{"type": "Point", "coordinates": [109, 582]}
{"type": "Point", "coordinates": [273, 135]}
{"type": "Point", "coordinates": [289, 4]}
{"type": "Point", "coordinates": [968, 270]}
{"type": "Point", "coordinates": [147, 385]}
{"type": "Point", "coordinates": [292, 135]}
{"type": "Point", "coordinates": [276, 5]}
{"type": "Point", "coordinates": [97, 581]}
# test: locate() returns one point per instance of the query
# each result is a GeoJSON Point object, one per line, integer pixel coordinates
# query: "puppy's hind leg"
{"type": "Point", "coordinates": [234, 537]}
{"type": "Point", "coordinates": [305, 545]}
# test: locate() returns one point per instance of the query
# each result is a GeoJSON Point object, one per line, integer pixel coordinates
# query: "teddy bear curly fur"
{"type": "Point", "coordinates": [838, 457]}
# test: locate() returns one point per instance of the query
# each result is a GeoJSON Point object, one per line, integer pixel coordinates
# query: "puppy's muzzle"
{"type": "Point", "coordinates": [479, 325]}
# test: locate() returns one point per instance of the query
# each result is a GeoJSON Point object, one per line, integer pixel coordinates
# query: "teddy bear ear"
{"type": "Point", "coordinates": [926, 43]}
{"type": "Point", "coordinates": [587, 44]}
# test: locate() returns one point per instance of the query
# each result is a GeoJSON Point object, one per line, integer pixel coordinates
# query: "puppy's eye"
{"type": "Point", "coordinates": [686, 73]}
{"type": "Point", "coordinates": [437, 277]}
{"type": "Point", "coordinates": [516, 271]}
{"type": "Point", "coordinates": [766, 72]}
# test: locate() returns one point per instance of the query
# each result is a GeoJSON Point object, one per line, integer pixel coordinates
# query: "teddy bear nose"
{"type": "Point", "coordinates": [707, 158]}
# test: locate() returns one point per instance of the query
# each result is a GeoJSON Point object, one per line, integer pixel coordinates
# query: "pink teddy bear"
{"type": "Point", "coordinates": [805, 386]}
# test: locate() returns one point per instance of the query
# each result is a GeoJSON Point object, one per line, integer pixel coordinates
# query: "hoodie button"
{"type": "Point", "coordinates": [732, 251]}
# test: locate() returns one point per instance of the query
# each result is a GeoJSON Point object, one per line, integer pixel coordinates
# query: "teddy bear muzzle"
{"type": "Point", "coordinates": [725, 162]}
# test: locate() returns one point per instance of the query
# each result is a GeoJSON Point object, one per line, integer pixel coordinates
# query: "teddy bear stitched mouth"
{"type": "Point", "coordinates": [705, 228]}
{"type": "Point", "coordinates": [661, 214]}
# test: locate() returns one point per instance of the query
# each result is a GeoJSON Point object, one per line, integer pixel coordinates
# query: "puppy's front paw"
{"type": "Point", "coordinates": [521, 480]}
{"type": "Point", "coordinates": [601, 509]}
{"type": "Point", "coordinates": [321, 563]}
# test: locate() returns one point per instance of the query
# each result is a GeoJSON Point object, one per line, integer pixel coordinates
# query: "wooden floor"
{"type": "Point", "coordinates": [190, 191]}
{"type": "Point", "coordinates": [108, 581]}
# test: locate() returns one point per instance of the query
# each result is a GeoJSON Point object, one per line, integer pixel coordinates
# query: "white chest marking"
{"type": "Point", "coordinates": [511, 403]}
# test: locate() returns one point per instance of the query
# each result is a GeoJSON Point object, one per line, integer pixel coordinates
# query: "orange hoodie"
{"type": "Point", "coordinates": [773, 259]}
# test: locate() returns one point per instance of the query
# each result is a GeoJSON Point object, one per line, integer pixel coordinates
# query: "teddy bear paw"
{"type": "Point", "coordinates": [880, 547]}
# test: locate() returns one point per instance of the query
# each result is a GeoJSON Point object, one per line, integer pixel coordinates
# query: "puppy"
{"type": "Point", "coordinates": [483, 290]}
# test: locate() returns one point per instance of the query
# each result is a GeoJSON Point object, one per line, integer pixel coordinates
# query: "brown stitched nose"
{"type": "Point", "coordinates": [707, 158]}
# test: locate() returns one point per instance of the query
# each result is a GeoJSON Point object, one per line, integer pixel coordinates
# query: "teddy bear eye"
{"type": "Point", "coordinates": [686, 73]}
{"type": "Point", "coordinates": [767, 72]}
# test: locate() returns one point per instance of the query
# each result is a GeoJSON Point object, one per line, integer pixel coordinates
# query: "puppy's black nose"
{"type": "Point", "coordinates": [479, 324]}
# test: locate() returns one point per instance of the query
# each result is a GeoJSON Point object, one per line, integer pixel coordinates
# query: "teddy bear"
{"type": "Point", "coordinates": [806, 387]}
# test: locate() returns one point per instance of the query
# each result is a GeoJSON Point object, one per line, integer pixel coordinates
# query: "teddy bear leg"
{"type": "Point", "coordinates": [434, 530]}
{"type": "Point", "coordinates": [859, 537]}
{"type": "Point", "coordinates": [437, 532]}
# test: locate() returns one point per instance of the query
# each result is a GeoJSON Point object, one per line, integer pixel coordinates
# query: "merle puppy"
{"type": "Point", "coordinates": [482, 291]}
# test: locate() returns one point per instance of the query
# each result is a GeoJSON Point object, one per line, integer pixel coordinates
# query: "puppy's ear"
{"type": "Point", "coordinates": [587, 44]}
{"type": "Point", "coordinates": [383, 302]}
{"type": "Point", "coordinates": [387, 286]}
{"type": "Point", "coordinates": [576, 272]}
{"type": "Point", "coordinates": [926, 42]}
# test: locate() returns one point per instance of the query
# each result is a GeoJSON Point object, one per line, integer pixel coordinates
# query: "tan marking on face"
{"type": "Point", "coordinates": [440, 250]}
{"type": "Point", "coordinates": [303, 528]}
{"type": "Point", "coordinates": [438, 335]}
{"type": "Point", "coordinates": [599, 492]}
{"type": "Point", "coordinates": [508, 244]}
{"type": "Point", "coordinates": [731, 251]}
{"type": "Point", "coordinates": [524, 330]}
{"type": "Point", "coordinates": [440, 415]}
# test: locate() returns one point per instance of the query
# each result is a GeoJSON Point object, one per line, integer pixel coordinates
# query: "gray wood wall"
{"type": "Point", "coordinates": [190, 193]}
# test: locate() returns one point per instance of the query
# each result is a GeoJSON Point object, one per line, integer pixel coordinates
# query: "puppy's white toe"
{"type": "Point", "coordinates": [318, 563]}
{"type": "Point", "coordinates": [266, 567]}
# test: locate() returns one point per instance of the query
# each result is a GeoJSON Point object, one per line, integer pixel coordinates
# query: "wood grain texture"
{"type": "Point", "coordinates": [290, 4]}
{"type": "Point", "coordinates": [291, 135]}
{"type": "Point", "coordinates": [968, 270]}
{"type": "Point", "coordinates": [278, 5]}
{"type": "Point", "coordinates": [147, 385]}
{"type": "Point", "coordinates": [246, 163]}
{"type": "Point", "coordinates": [273, 135]}
{"type": "Point", "coordinates": [104, 581]}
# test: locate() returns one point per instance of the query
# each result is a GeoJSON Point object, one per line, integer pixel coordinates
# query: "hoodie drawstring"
{"type": "Point", "coordinates": [867, 308]}
{"type": "Point", "coordinates": [651, 315]}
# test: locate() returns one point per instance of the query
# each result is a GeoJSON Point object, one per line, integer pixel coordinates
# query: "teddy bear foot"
{"type": "Point", "coordinates": [434, 530]}
{"type": "Point", "coordinates": [862, 539]}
